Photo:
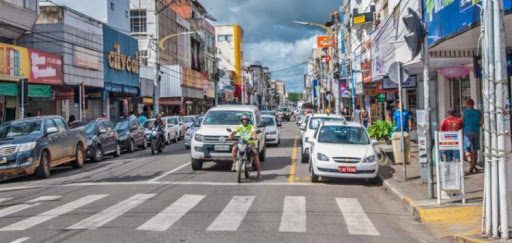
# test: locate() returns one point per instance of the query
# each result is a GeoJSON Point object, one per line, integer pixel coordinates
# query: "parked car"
{"type": "Point", "coordinates": [342, 150]}
{"type": "Point", "coordinates": [271, 130]}
{"type": "Point", "coordinates": [190, 132]}
{"type": "Point", "coordinates": [35, 145]}
{"type": "Point", "coordinates": [131, 134]}
{"type": "Point", "coordinates": [188, 121]}
{"type": "Point", "coordinates": [210, 141]}
{"type": "Point", "coordinates": [176, 123]}
{"type": "Point", "coordinates": [271, 113]}
{"type": "Point", "coordinates": [309, 129]}
{"type": "Point", "coordinates": [170, 135]}
{"type": "Point", "coordinates": [102, 139]}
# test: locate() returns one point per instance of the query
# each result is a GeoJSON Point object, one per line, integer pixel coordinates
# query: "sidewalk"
{"type": "Point", "coordinates": [451, 221]}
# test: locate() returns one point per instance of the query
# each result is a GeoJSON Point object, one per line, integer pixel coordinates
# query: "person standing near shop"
{"type": "Point", "coordinates": [451, 123]}
{"type": "Point", "coordinates": [364, 117]}
{"type": "Point", "coordinates": [472, 121]}
{"type": "Point", "coordinates": [401, 120]}
{"type": "Point", "coordinates": [406, 119]}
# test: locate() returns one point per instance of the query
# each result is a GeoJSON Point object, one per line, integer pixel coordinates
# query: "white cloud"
{"type": "Point", "coordinates": [235, 9]}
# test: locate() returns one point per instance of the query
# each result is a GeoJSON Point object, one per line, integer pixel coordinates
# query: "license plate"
{"type": "Point", "coordinates": [3, 161]}
{"type": "Point", "coordinates": [347, 169]}
{"type": "Point", "coordinates": [222, 148]}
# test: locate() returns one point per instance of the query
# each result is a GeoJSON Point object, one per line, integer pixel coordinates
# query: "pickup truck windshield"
{"type": "Point", "coordinates": [21, 128]}
{"type": "Point", "coordinates": [226, 117]}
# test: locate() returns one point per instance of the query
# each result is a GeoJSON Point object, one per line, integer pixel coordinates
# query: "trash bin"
{"type": "Point", "coordinates": [397, 154]}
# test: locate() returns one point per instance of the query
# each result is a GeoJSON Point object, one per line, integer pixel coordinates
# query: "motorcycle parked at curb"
{"type": "Point", "coordinates": [157, 140]}
{"type": "Point", "coordinates": [244, 160]}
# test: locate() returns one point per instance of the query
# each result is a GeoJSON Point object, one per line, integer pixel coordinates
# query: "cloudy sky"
{"type": "Point", "coordinates": [270, 35]}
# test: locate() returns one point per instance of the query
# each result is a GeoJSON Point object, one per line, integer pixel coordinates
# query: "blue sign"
{"type": "Point", "coordinates": [447, 18]}
{"type": "Point", "coordinates": [315, 83]}
{"type": "Point", "coordinates": [121, 62]}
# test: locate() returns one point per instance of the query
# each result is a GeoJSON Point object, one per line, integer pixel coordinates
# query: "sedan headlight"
{"type": "Point", "coordinates": [322, 157]}
{"type": "Point", "coordinates": [370, 159]}
{"type": "Point", "coordinates": [199, 138]}
{"type": "Point", "coordinates": [272, 133]}
{"type": "Point", "coordinates": [26, 146]}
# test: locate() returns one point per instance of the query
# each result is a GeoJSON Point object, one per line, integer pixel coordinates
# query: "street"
{"type": "Point", "coordinates": [143, 198]}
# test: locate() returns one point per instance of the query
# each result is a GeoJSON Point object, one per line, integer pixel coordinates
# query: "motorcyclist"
{"type": "Point", "coordinates": [159, 123]}
{"type": "Point", "coordinates": [247, 132]}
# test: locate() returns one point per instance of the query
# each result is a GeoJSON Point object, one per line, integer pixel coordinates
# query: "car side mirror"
{"type": "Point", "coordinates": [258, 131]}
{"type": "Point", "coordinates": [302, 128]}
{"type": "Point", "coordinates": [51, 130]}
{"type": "Point", "coordinates": [310, 140]}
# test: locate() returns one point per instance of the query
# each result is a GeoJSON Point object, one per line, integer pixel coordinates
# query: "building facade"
{"type": "Point", "coordinates": [230, 55]}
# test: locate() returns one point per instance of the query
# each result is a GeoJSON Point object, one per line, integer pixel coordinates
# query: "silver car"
{"type": "Point", "coordinates": [191, 130]}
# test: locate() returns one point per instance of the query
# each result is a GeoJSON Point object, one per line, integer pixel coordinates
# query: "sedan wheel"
{"type": "Point", "coordinates": [117, 153]}
{"type": "Point", "coordinates": [98, 155]}
{"type": "Point", "coordinates": [131, 146]}
{"type": "Point", "coordinates": [145, 144]}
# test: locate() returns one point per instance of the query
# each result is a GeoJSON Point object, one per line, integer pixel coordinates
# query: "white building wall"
{"type": "Point", "coordinates": [225, 49]}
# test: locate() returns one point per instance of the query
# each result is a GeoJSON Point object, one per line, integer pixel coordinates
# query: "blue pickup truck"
{"type": "Point", "coordinates": [35, 145]}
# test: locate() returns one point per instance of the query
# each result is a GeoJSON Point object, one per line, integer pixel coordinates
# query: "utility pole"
{"type": "Point", "coordinates": [156, 88]}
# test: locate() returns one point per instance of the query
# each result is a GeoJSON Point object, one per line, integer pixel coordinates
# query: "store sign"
{"type": "Point", "coordinates": [381, 98]}
{"type": "Point", "coordinates": [410, 83]}
{"type": "Point", "coordinates": [448, 141]}
{"type": "Point", "coordinates": [119, 61]}
{"type": "Point", "coordinates": [86, 58]}
{"type": "Point", "coordinates": [362, 18]}
{"type": "Point", "coordinates": [46, 68]}
{"type": "Point", "coordinates": [324, 42]}
{"type": "Point", "coordinates": [14, 62]}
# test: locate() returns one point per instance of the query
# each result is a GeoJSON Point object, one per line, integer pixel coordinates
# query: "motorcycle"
{"type": "Point", "coordinates": [244, 160]}
{"type": "Point", "coordinates": [157, 140]}
{"type": "Point", "coordinates": [280, 117]}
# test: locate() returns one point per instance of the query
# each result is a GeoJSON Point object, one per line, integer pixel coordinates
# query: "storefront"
{"type": "Point", "coordinates": [121, 72]}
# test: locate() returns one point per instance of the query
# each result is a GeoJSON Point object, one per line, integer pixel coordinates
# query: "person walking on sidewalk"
{"type": "Point", "coordinates": [364, 117]}
{"type": "Point", "coordinates": [451, 123]}
{"type": "Point", "coordinates": [472, 121]}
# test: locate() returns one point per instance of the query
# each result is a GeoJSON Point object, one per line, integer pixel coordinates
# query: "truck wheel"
{"type": "Point", "coordinates": [197, 164]}
{"type": "Point", "coordinates": [117, 153]}
{"type": "Point", "coordinates": [79, 157]}
{"type": "Point", "coordinates": [43, 171]}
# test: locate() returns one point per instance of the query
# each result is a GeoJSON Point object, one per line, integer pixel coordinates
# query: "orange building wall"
{"type": "Point", "coordinates": [182, 8]}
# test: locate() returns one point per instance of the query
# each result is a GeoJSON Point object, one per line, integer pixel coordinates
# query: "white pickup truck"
{"type": "Point", "coordinates": [210, 142]}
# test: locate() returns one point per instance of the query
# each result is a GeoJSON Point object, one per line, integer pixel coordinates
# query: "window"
{"type": "Point", "coordinates": [60, 124]}
{"type": "Point", "coordinates": [49, 123]}
{"type": "Point", "coordinates": [112, 6]}
{"type": "Point", "coordinates": [30, 5]}
{"type": "Point", "coordinates": [228, 38]}
{"type": "Point", "coordinates": [138, 21]}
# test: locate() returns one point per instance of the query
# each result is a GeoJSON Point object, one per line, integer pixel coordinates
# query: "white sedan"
{"type": "Point", "coordinates": [342, 150]}
{"type": "Point", "coordinates": [271, 130]}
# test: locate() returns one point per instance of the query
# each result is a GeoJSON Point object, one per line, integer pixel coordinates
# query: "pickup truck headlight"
{"type": "Point", "coordinates": [322, 157]}
{"type": "Point", "coordinates": [199, 138]}
{"type": "Point", "coordinates": [370, 159]}
{"type": "Point", "coordinates": [26, 146]}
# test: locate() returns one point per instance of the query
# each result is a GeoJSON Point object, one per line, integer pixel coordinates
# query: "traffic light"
{"type": "Point", "coordinates": [416, 32]}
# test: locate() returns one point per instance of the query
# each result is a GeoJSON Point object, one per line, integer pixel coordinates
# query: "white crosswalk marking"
{"type": "Point", "coordinates": [172, 213]}
{"type": "Point", "coordinates": [112, 212]}
{"type": "Point", "coordinates": [293, 218]}
{"type": "Point", "coordinates": [232, 215]}
{"type": "Point", "coordinates": [29, 204]}
{"type": "Point", "coordinates": [53, 213]}
{"type": "Point", "coordinates": [5, 199]}
{"type": "Point", "coordinates": [356, 219]}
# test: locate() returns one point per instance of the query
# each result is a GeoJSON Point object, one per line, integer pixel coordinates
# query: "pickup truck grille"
{"type": "Point", "coordinates": [215, 139]}
{"type": "Point", "coordinates": [348, 160]}
{"type": "Point", "coordinates": [7, 150]}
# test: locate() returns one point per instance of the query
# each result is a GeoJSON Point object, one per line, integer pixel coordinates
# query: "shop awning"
{"type": "Point", "coordinates": [8, 89]}
{"type": "Point", "coordinates": [39, 91]}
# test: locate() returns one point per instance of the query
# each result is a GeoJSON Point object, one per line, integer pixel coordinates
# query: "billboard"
{"type": "Point", "coordinates": [324, 41]}
{"type": "Point", "coordinates": [14, 62]}
{"type": "Point", "coordinates": [45, 68]}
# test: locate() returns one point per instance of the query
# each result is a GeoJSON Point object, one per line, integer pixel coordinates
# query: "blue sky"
{"type": "Point", "coordinates": [270, 35]}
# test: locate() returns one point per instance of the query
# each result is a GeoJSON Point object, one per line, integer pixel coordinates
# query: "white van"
{"type": "Point", "coordinates": [210, 142]}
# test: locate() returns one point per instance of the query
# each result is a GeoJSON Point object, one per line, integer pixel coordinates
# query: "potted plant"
{"type": "Point", "coordinates": [380, 130]}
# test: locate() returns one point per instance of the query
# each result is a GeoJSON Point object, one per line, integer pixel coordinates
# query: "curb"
{"type": "Point", "coordinates": [415, 210]}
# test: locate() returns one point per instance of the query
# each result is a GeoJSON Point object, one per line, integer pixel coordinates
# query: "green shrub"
{"type": "Point", "coordinates": [380, 130]}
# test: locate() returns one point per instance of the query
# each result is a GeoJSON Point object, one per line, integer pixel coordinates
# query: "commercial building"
{"type": "Point", "coordinates": [16, 18]}
{"type": "Point", "coordinates": [231, 57]}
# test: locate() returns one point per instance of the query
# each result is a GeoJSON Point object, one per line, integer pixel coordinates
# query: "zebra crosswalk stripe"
{"type": "Point", "coordinates": [29, 204]}
{"type": "Point", "coordinates": [356, 220]}
{"type": "Point", "coordinates": [53, 213]}
{"type": "Point", "coordinates": [232, 215]}
{"type": "Point", "coordinates": [293, 218]}
{"type": "Point", "coordinates": [3, 199]}
{"type": "Point", "coordinates": [112, 212]}
{"type": "Point", "coordinates": [165, 219]}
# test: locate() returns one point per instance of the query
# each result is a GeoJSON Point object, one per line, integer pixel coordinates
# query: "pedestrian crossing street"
{"type": "Point", "coordinates": [293, 218]}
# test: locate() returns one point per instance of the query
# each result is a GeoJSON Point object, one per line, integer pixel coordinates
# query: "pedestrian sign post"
{"type": "Point", "coordinates": [450, 169]}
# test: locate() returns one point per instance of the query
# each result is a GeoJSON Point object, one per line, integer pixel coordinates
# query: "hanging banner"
{"type": "Point", "coordinates": [46, 68]}
{"type": "Point", "coordinates": [324, 42]}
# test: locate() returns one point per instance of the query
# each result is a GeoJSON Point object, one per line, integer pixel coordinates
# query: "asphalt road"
{"type": "Point", "coordinates": [144, 198]}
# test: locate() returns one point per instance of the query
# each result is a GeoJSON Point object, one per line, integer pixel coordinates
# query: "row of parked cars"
{"type": "Point", "coordinates": [335, 148]}
{"type": "Point", "coordinates": [35, 145]}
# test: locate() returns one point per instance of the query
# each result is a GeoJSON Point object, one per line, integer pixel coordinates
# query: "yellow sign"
{"type": "Point", "coordinates": [361, 19]}
{"type": "Point", "coordinates": [14, 62]}
{"type": "Point", "coordinates": [118, 61]}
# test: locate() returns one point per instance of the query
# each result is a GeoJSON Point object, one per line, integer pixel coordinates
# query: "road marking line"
{"type": "Point", "coordinates": [293, 165]}
{"type": "Point", "coordinates": [5, 199]}
{"type": "Point", "coordinates": [112, 212]}
{"type": "Point", "coordinates": [293, 218]}
{"type": "Point", "coordinates": [29, 204]}
{"type": "Point", "coordinates": [53, 213]}
{"type": "Point", "coordinates": [21, 240]}
{"type": "Point", "coordinates": [355, 218]}
{"type": "Point", "coordinates": [171, 214]}
{"type": "Point", "coordinates": [169, 172]}
{"type": "Point", "coordinates": [231, 217]}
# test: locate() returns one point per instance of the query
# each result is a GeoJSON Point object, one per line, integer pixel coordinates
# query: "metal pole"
{"type": "Point", "coordinates": [156, 90]}
{"type": "Point", "coordinates": [22, 109]}
{"type": "Point", "coordinates": [502, 117]}
{"type": "Point", "coordinates": [401, 107]}
{"type": "Point", "coordinates": [80, 102]}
